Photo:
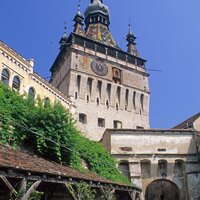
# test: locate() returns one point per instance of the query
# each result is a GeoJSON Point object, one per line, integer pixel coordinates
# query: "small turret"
{"type": "Point", "coordinates": [131, 43]}
{"type": "Point", "coordinates": [63, 40]}
{"type": "Point", "coordinates": [78, 19]}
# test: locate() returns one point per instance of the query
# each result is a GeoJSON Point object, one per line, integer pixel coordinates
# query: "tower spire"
{"type": "Point", "coordinates": [78, 19]}
{"type": "Point", "coordinates": [64, 38]}
{"type": "Point", "coordinates": [131, 41]}
{"type": "Point", "coordinates": [79, 5]}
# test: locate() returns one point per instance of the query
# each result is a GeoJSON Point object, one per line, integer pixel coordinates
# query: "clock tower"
{"type": "Point", "coordinates": [108, 85]}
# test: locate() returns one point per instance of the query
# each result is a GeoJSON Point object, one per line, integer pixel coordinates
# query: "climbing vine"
{"type": "Point", "coordinates": [81, 191]}
{"type": "Point", "coordinates": [49, 131]}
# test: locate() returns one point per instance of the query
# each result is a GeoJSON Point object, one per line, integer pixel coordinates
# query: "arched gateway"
{"type": "Point", "coordinates": [162, 190]}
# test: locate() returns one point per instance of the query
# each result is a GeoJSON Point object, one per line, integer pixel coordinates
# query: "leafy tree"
{"type": "Point", "coordinates": [49, 131]}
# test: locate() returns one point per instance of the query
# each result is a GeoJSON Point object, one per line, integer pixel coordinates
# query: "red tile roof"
{"type": "Point", "coordinates": [18, 160]}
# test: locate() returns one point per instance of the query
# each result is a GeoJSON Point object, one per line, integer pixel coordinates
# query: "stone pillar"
{"type": "Point", "coordinates": [73, 84]}
{"type": "Point", "coordinates": [130, 101]}
{"type": "Point", "coordinates": [135, 173]}
{"type": "Point", "coordinates": [83, 87]}
{"type": "Point", "coordinates": [94, 91]}
{"type": "Point", "coordinates": [146, 105]}
{"type": "Point", "coordinates": [113, 95]}
{"type": "Point", "coordinates": [103, 92]}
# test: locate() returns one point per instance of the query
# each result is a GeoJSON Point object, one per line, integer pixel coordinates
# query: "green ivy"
{"type": "Point", "coordinates": [54, 122]}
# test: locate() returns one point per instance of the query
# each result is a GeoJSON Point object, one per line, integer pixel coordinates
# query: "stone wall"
{"type": "Point", "coordinates": [153, 155]}
{"type": "Point", "coordinates": [123, 105]}
{"type": "Point", "coordinates": [17, 66]}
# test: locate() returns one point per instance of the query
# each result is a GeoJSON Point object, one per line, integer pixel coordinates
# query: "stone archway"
{"type": "Point", "coordinates": [162, 190]}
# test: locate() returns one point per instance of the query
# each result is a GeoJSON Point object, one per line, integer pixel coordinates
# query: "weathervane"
{"type": "Point", "coordinates": [79, 5]}
{"type": "Point", "coordinates": [129, 26]}
{"type": "Point", "coordinates": [65, 26]}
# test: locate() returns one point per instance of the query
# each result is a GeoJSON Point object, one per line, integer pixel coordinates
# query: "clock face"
{"type": "Point", "coordinates": [99, 67]}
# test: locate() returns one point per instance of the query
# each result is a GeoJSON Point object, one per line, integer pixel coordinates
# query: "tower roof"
{"type": "Point", "coordinates": [97, 6]}
{"type": "Point", "coordinates": [97, 23]}
{"type": "Point", "coordinates": [64, 38]}
{"type": "Point", "coordinates": [79, 15]}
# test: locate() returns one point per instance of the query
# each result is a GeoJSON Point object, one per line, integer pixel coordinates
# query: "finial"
{"type": "Point", "coordinates": [63, 40]}
{"type": "Point", "coordinates": [96, 0]}
{"type": "Point", "coordinates": [65, 27]}
{"type": "Point", "coordinates": [129, 26]}
{"type": "Point", "coordinates": [79, 5]}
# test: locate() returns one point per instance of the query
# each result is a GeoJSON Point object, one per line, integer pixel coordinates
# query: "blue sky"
{"type": "Point", "coordinates": [167, 34]}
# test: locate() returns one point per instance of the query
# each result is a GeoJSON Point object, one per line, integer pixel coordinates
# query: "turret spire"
{"type": "Point", "coordinates": [64, 38]}
{"type": "Point", "coordinates": [78, 19]}
{"type": "Point", "coordinates": [131, 42]}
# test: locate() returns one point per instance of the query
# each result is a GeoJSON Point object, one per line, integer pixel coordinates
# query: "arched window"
{"type": "Point", "coordinates": [5, 76]}
{"type": "Point", "coordinates": [134, 102]}
{"type": "Point", "coordinates": [46, 101]}
{"type": "Point", "coordinates": [31, 94]}
{"type": "Point", "coordinates": [78, 81]}
{"type": "Point", "coordinates": [16, 83]}
{"type": "Point", "coordinates": [89, 86]}
{"type": "Point", "coordinates": [124, 168]}
{"type": "Point", "coordinates": [118, 93]}
{"type": "Point", "coordinates": [162, 168]}
{"type": "Point", "coordinates": [142, 101]}
{"type": "Point", "coordinates": [109, 90]}
{"type": "Point", "coordinates": [179, 168]}
{"type": "Point", "coordinates": [145, 168]}
{"type": "Point", "coordinates": [99, 88]}
{"type": "Point", "coordinates": [127, 97]}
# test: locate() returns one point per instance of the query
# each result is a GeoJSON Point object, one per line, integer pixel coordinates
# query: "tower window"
{"type": "Point", "coordinates": [107, 104]}
{"type": "Point", "coordinates": [16, 83]}
{"type": "Point", "coordinates": [134, 102]}
{"type": "Point", "coordinates": [88, 98]}
{"type": "Point", "coordinates": [76, 95]}
{"type": "Point", "coordinates": [99, 87]}
{"type": "Point", "coordinates": [127, 96]}
{"type": "Point", "coordinates": [117, 106]}
{"type": "Point", "coordinates": [117, 124]}
{"type": "Point", "coordinates": [118, 93]}
{"type": "Point", "coordinates": [78, 82]}
{"type": "Point", "coordinates": [125, 107]}
{"type": "Point", "coordinates": [83, 118]}
{"type": "Point", "coordinates": [31, 94]}
{"type": "Point", "coordinates": [101, 122]}
{"type": "Point", "coordinates": [142, 101]}
{"type": "Point", "coordinates": [89, 86]}
{"type": "Point", "coordinates": [97, 101]}
{"type": "Point", "coordinates": [109, 90]}
{"type": "Point", "coordinates": [5, 76]}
